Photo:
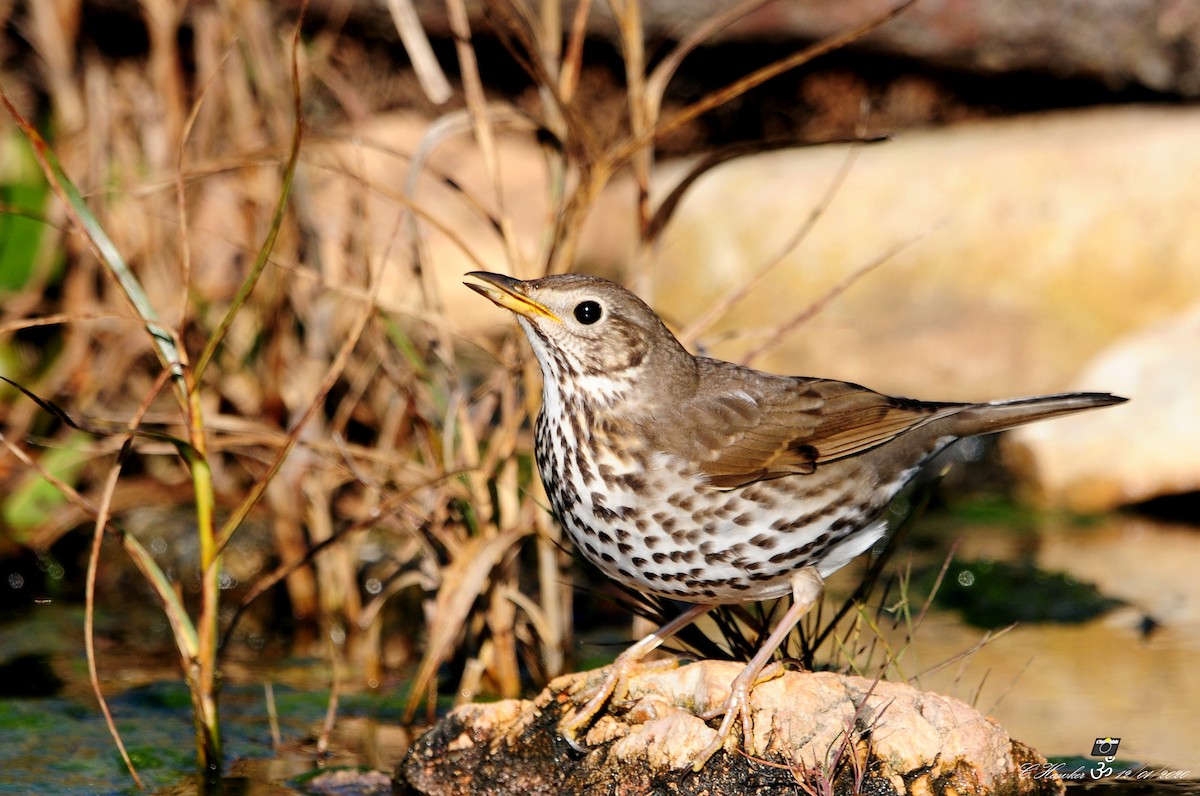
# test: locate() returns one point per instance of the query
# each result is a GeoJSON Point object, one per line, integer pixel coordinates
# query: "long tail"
{"type": "Point", "coordinates": [995, 416]}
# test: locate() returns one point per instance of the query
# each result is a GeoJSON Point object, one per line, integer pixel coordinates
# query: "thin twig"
{"type": "Point", "coordinates": [760, 76]}
{"type": "Point", "coordinates": [89, 617]}
{"type": "Point", "coordinates": [781, 332]}
{"type": "Point", "coordinates": [656, 84]}
{"type": "Point", "coordinates": [281, 206]}
{"type": "Point", "coordinates": [185, 255]}
{"type": "Point", "coordinates": [272, 715]}
{"type": "Point", "coordinates": [335, 687]}
{"type": "Point", "coordinates": [477, 106]}
{"type": "Point", "coordinates": [732, 297]}
{"type": "Point", "coordinates": [424, 63]}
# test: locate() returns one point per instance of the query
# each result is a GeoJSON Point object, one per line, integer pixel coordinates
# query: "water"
{"type": "Point", "coordinates": [1131, 673]}
{"type": "Point", "coordinates": [1128, 674]}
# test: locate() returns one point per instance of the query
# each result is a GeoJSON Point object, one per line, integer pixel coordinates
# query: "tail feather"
{"type": "Point", "coordinates": [988, 418]}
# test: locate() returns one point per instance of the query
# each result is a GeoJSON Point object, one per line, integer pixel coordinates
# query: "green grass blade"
{"type": "Point", "coordinates": [102, 245]}
{"type": "Point", "coordinates": [264, 251]}
{"type": "Point", "coordinates": [181, 625]}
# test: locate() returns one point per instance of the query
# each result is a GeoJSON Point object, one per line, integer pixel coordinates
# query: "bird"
{"type": "Point", "coordinates": [711, 483]}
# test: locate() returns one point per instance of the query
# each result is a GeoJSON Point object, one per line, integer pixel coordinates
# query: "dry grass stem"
{"type": "Point", "coordinates": [416, 44]}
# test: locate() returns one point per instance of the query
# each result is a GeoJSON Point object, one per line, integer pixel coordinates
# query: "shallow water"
{"type": "Point", "coordinates": [1131, 674]}
{"type": "Point", "coordinates": [60, 744]}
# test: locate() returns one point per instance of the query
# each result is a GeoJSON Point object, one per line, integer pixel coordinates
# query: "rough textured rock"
{"type": "Point", "coordinates": [811, 730]}
{"type": "Point", "coordinates": [1147, 448]}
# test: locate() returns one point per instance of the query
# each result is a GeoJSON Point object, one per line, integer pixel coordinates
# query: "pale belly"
{"type": "Point", "coordinates": [654, 526]}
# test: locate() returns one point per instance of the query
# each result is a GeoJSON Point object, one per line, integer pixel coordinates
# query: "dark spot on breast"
{"type": "Point", "coordinates": [814, 516]}
{"type": "Point", "coordinates": [632, 482]}
{"type": "Point", "coordinates": [582, 464]}
{"type": "Point", "coordinates": [600, 511]}
{"type": "Point", "coordinates": [682, 500]}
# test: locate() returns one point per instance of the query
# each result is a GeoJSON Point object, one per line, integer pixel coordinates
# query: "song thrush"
{"type": "Point", "coordinates": [711, 483]}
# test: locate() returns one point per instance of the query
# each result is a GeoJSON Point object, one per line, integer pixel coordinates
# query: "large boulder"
{"type": "Point", "coordinates": [1147, 448]}
{"type": "Point", "coordinates": [1014, 251]}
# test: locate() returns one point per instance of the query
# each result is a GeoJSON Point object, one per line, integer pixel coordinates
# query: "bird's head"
{"type": "Point", "coordinates": [584, 327]}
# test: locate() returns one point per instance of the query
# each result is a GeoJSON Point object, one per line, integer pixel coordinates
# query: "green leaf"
{"type": "Point", "coordinates": [35, 499]}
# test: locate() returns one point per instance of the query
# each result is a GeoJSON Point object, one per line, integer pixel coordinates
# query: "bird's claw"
{"type": "Point", "coordinates": [612, 688]}
{"type": "Point", "coordinates": [737, 706]}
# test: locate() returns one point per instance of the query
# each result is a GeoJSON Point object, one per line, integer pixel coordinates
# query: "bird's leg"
{"type": "Point", "coordinates": [807, 585]}
{"type": "Point", "coordinates": [616, 680]}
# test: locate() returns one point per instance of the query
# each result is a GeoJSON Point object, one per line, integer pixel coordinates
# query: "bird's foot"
{"type": "Point", "coordinates": [612, 688]}
{"type": "Point", "coordinates": [737, 706]}
{"type": "Point", "coordinates": [615, 684]}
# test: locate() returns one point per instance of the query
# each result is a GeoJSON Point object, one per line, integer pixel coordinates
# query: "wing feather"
{"type": "Point", "coordinates": [752, 426]}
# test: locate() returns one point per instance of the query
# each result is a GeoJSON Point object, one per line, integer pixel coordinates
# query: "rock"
{"type": "Point", "coordinates": [1121, 43]}
{"type": "Point", "coordinates": [1025, 247]}
{"type": "Point", "coordinates": [1147, 448]}
{"type": "Point", "coordinates": [901, 741]}
{"type": "Point", "coordinates": [349, 782]}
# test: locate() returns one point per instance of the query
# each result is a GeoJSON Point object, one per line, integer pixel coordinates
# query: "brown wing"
{"type": "Point", "coordinates": [757, 427]}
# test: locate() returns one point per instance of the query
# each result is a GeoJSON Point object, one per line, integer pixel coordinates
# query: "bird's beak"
{"type": "Point", "coordinates": [509, 293]}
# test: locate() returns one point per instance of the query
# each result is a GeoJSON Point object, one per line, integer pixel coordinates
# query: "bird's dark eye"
{"type": "Point", "coordinates": [587, 312]}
